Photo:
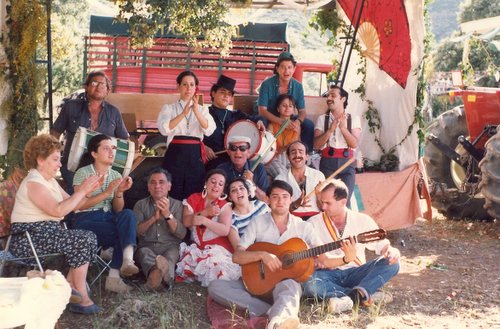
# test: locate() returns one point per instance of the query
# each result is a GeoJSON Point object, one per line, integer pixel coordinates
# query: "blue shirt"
{"type": "Point", "coordinates": [270, 91]}
{"type": "Point", "coordinates": [75, 113]}
{"type": "Point", "coordinates": [259, 175]}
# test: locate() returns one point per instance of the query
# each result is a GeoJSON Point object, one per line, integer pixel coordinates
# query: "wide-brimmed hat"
{"type": "Point", "coordinates": [226, 83]}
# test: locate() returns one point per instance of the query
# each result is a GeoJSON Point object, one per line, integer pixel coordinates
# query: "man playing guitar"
{"type": "Point", "coordinates": [275, 227]}
{"type": "Point", "coordinates": [356, 281]}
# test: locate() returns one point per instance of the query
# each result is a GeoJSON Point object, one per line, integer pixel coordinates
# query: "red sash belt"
{"type": "Point", "coordinates": [192, 142]}
{"type": "Point", "coordinates": [331, 152]}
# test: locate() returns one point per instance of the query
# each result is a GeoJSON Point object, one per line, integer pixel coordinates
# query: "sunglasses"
{"type": "Point", "coordinates": [242, 148]}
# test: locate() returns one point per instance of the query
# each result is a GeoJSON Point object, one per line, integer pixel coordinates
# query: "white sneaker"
{"type": "Point", "coordinates": [128, 268]}
{"type": "Point", "coordinates": [290, 323]}
{"type": "Point", "coordinates": [381, 297]}
{"type": "Point", "coordinates": [106, 254]}
{"type": "Point", "coordinates": [117, 285]}
{"type": "Point", "coordinates": [338, 305]}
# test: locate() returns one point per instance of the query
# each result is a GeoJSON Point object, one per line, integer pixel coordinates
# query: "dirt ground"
{"type": "Point", "coordinates": [449, 278]}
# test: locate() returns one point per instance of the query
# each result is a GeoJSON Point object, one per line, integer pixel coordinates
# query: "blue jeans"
{"type": "Point", "coordinates": [117, 230]}
{"type": "Point", "coordinates": [370, 276]}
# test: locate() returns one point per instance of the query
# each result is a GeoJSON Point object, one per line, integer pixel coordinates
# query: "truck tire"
{"type": "Point", "coordinates": [444, 174]}
{"type": "Point", "coordinates": [490, 175]}
{"type": "Point", "coordinates": [157, 143]}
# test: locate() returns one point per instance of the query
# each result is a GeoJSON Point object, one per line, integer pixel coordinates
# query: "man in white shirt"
{"type": "Point", "coordinates": [275, 227]}
{"type": "Point", "coordinates": [337, 135]}
{"type": "Point", "coordinates": [357, 281]}
{"type": "Point", "coordinates": [303, 180]}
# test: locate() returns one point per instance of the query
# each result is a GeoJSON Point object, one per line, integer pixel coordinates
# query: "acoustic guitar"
{"type": "Point", "coordinates": [297, 261]}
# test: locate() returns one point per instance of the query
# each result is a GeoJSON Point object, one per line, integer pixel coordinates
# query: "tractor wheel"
{"type": "Point", "coordinates": [490, 175]}
{"type": "Point", "coordinates": [446, 176]}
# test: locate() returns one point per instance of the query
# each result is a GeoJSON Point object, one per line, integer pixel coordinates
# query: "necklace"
{"type": "Point", "coordinates": [187, 117]}
{"type": "Point", "coordinates": [223, 121]}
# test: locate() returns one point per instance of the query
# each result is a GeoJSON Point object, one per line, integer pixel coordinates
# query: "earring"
{"type": "Point", "coordinates": [204, 192]}
{"type": "Point", "coordinates": [223, 196]}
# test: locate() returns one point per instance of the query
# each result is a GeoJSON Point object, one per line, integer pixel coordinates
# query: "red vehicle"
{"type": "Point", "coordinates": [462, 156]}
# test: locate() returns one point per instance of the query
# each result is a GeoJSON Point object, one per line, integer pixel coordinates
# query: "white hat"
{"type": "Point", "coordinates": [238, 139]}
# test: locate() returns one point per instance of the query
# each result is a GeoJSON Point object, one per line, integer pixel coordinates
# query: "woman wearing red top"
{"type": "Point", "coordinates": [208, 216]}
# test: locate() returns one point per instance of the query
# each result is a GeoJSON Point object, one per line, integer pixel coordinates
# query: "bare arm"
{"type": "Point", "coordinates": [242, 256]}
{"type": "Point", "coordinates": [43, 199]}
{"type": "Point", "coordinates": [198, 114]}
{"type": "Point", "coordinates": [220, 227]}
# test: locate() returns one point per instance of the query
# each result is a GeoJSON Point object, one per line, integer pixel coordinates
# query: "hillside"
{"type": "Point", "coordinates": [444, 17]}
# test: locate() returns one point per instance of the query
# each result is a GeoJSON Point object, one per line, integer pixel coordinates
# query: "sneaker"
{"type": "Point", "coordinates": [117, 285]}
{"type": "Point", "coordinates": [162, 264]}
{"type": "Point", "coordinates": [106, 254]}
{"type": "Point", "coordinates": [129, 268]}
{"type": "Point", "coordinates": [380, 297]}
{"type": "Point", "coordinates": [290, 323]}
{"type": "Point", "coordinates": [338, 305]}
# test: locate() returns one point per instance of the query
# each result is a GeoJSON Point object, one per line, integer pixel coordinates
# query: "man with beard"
{"type": "Point", "coordinates": [88, 110]}
{"type": "Point", "coordinates": [238, 148]}
{"type": "Point", "coordinates": [337, 135]}
{"type": "Point", "coordinates": [222, 93]}
{"type": "Point", "coordinates": [303, 180]}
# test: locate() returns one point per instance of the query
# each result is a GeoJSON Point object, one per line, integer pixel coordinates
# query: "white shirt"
{"type": "Point", "coordinates": [313, 177]}
{"type": "Point", "coordinates": [264, 229]}
{"type": "Point", "coordinates": [356, 223]}
{"type": "Point", "coordinates": [170, 111]}
{"type": "Point", "coordinates": [25, 210]}
{"type": "Point", "coordinates": [336, 139]}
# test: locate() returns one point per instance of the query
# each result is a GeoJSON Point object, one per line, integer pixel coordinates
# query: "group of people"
{"type": "Point", "coordinates": [207, 203]}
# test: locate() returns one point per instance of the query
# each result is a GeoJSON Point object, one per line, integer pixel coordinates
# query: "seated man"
{"type": "Point", "coordinates": [238, 148]}
{"type": "Point", "coordinates": [222, 93]}
{"type": "Point", "coordinates": [303, 180]}
{"type": "Point", "coordinates": [357, 281]}
{"type": "Point", "coordinates": [159, 229]}
{"type": "Point", "coordinates": [275, 227]}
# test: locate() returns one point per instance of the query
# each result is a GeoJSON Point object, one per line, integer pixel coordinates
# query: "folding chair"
{"type": "Point", "coordinates": [101, 264]}
{"type": "Point", "coordinates": [6, 256]}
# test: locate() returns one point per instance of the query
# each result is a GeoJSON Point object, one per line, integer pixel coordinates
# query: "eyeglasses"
{"type": "Point", "coordinates": [97, 83]}
{"type": "Point", "coordinates": [242, 148]}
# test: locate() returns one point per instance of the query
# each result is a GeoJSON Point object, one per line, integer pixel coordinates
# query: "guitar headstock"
{"type": "Point", "coordinates": [371, 236]}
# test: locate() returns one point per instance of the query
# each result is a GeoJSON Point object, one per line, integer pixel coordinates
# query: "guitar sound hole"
{"type": "Point", "coordinates": [287, 260]}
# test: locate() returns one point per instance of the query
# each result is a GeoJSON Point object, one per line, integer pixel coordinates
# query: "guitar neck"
{"type": "Point", "coordinates": [313, 252]}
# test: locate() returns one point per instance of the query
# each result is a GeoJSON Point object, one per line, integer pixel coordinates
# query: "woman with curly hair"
{"type": "Point", "coordinates": [41, 205]}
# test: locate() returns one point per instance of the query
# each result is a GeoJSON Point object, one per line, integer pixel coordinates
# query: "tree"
{"type": "Point", "coordinates": [477, 9]}
{"type": "Point", "coordinates": [191, 18]}
{"type": "Point", "coordinates": [479, 56]}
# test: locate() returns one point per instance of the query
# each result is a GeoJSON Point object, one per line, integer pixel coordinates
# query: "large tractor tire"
{"type": "Point", "coordinates": [445, 175]}
{"type": "Point", "coordinates": [490, 175]}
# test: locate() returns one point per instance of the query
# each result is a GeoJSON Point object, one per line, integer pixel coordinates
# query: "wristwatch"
{"type": "Point", "coordinates": [169, 217]}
